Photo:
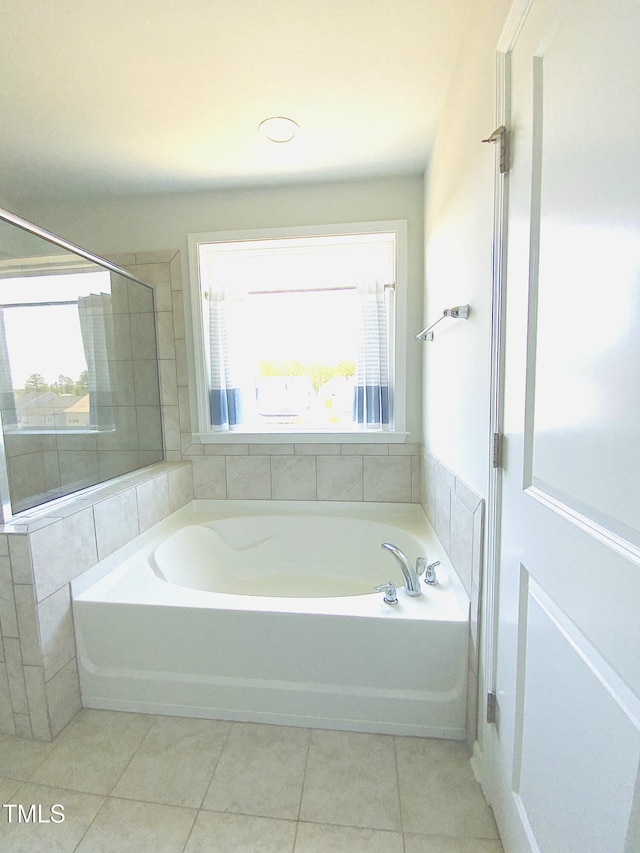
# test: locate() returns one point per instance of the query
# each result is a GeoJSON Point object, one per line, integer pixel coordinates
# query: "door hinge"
{"type": "Point", "coordinates": [497, 450]}
{"type": "Point", "coordinates": [492, 707]}
{"type": "Point", "coordinates": [501, 135]}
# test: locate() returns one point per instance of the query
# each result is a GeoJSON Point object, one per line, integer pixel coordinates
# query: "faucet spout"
{"type": "Point", "coordinates": [411, 582]}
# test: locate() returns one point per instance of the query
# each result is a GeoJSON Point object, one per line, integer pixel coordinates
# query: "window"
{"type": "Point", "coordinates": [56, 343]}
{"type": "Point", "coordinates": [295, 330]}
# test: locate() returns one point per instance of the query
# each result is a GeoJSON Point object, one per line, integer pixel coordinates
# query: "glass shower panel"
{"type": "Point", "coordinates": [79, 390]}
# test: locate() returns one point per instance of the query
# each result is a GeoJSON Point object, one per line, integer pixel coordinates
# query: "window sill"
{"type": "Point", "coordinates": [299, 437]}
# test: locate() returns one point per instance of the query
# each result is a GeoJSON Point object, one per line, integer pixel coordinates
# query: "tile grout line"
{"type": "Point", "coordinates": [213, 772]}
{"type": "Point", "coordinates": [304, 776]}
{"type": "Point", "coordinates": [395, 758]}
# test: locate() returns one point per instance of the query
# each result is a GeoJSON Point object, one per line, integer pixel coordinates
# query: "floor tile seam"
{"type": "Point", "coordinates": [42, 760]}
{"type": "Point", "coordinates": [445, 837]}
{"type": "Point", "coordinates": [106, 799]}
{"type": "Point", "coordinates": [350, 826]}
{"type": "Point", "coordinates": [371, 826]}
{"type": "Point", "coordinates": [125, 768]}
{"type": "Point", "coordinates": [398, 791]}
{"type": "Point", "coordinates": [122, 799]}
{"type": "Point", "coordinates": [245, 813]}
{"type": "Point", "coordinates": [215, 766]}
{"type": "Point", "coordinates": [95, 817]}
{"type": "Point", "coordinates": [135, 751]}
{"type": "Point", "coordinates": [191, 828]}
{"type": "Point", "coordinates": [63, 787]}
{"type": "Point", "coordinates": [304, 775]}
{"type": "Point", "coordinates": [249, 814]}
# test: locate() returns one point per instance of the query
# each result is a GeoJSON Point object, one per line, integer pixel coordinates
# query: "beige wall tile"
{"type": "Point", "coordinates": [38, 710]}
{"type": "Point", "coordinates": [442, 521]}
{"type": "Point", "coordinates": [15, 673]}
{"type": "Point", "coordinates": [180, 486]}
{"type": "Point", "coordinates": [143, 336]}
{"type": "Point", "coordinates": [8, 618]}
{"type": "Point", "coordinates": [146, 382]}
{"type": "Point", "coordinates": [210, 478]}
{"type": "Point", "coordinates": [405, 449]}
{"type": "Point", "coordinates": [153, 501]}
{"type": "Point", "coordinates": [317, 449]}
{"type": "Point", "coordinates": [271, 449]}
{"type": "Point", "coordinates": [363, 449]}
{"type": "Point", "coordinates": [340, 478]}
{"type": "Point", "coordinates": [56, 631]}
{"type": "Point", "coordinates": [7, 723]}
{"type": "Point", "coordinates": [62, 551]}
{"type": "Point", "coordinates": [116, 522]}
{"type": "Point", "coordinates": [248, 477]}
{"type": "Point", "coordinates": [23, 725]}
{"type": "Point", "coordinates": [166, 339]}
{"type": "Point", "coordinates": [168, 382]}
{"type": "Point", "coordinates": [461, 542]}
{"type": "Point", "coordinates": [177, 304]}
{"type": "Point", "coordinates": [171, 428]}
{"type": "Point", "coordinates": [20, 555]}
{"type": "Point", "coordinates": [293, 478]}
{"type": "Point", "coordinates": [28, 624]}
{"type": "Point", "coordinates": [63, 697]}
{"type": "Point", "coordinates": [387, 478]}
{"type": "Point", "coordinates": [226, 449]}
{"type": "Point", "coordinates": [158, 274]}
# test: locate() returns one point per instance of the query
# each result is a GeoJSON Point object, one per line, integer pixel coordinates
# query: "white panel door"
{"type": "Point", "coordinates": [566, 748]}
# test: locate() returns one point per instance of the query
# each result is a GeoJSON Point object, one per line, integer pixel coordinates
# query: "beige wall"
{"type": "Point", "coordinates": [458, 251]}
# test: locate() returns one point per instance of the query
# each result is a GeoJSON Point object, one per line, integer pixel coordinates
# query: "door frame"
{"type": "Point", "coordinates": [485, 748]}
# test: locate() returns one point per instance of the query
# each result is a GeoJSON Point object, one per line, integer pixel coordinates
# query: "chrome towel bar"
{"type": "Point", "coordinates": [460, 312]}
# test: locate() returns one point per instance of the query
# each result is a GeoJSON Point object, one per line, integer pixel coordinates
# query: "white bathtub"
{"type": "Point", "coordinates": [265, 611]}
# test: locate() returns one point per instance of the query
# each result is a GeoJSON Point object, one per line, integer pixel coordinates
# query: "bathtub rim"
{"type": "Point", "coordinates": [410, 517]}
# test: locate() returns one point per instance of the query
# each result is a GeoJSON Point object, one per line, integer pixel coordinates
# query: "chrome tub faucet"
{"type": "Point", "coordinates": [411, 582]}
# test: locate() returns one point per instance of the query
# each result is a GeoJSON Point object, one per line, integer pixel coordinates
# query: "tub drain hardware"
{"type": "Point", "coordinates": [389, 589]}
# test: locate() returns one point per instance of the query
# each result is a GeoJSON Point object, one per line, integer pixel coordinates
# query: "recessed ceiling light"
{"type": "Point", "coordinates": [278, 128]}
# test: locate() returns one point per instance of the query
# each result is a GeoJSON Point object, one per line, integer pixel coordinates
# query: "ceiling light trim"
{"type": "Point", "coordinates": [279, 129]}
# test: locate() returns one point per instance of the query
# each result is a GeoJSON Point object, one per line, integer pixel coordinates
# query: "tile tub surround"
{"type": "Point", "coordinates": [323, 472]}
{"type": "Point", "coordinates": [139, 782]}
{"type": "Point", "coordinates": [163, 272]}
{"type": "Point", "coordinates": [40, 554]}
{"type": "Point", "coordinates": [456, 513]}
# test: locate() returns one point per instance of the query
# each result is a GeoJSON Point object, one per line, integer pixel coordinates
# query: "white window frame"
{"type": "Point", "coordinates": [203, 433]}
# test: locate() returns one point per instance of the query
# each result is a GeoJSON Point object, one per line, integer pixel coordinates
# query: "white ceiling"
{"type": "Point", "coordinates": [105, 97]}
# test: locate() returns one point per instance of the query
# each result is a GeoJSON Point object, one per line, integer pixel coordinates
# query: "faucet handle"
{"type": "Point", "coordinates": [430, 573]}
{"type": "Point", "coordinates": [390, 596]}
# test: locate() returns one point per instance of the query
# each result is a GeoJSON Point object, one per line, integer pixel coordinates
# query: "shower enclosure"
{"type": "Point", "coordinates": [79, 388]}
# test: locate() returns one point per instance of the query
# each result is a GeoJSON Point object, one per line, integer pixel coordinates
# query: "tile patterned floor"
{"type": "Point", "coordinates": [135, 782]}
